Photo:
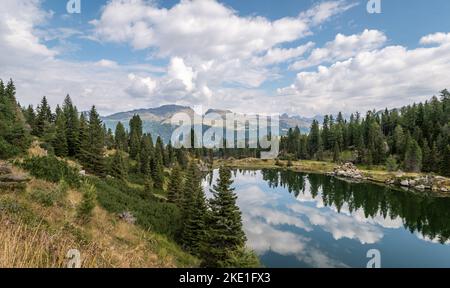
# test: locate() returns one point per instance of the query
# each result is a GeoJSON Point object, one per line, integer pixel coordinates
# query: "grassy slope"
{"type": "Point", "coordinates": [36, 234]}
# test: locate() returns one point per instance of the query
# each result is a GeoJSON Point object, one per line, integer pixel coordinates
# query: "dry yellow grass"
{"type": "Point", "coordinates": [105, 241]}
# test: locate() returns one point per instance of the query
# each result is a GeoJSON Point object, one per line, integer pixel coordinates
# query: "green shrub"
{"type": "Point", "coordinates": [50, 197]}
{"type": "Point", "coordinates": [391, 164]}
{"type": "Point", "coordinates": [44, 197]}
{"type": "Point", "coordinates": [51, 169]}
{"type": "Point", "coordinates": [87, 205]}
{"type": "Point", "coordinates": [150, 212]}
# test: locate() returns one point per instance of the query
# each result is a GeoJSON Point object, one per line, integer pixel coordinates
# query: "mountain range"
{"type": "Point", "coordinates": [157, 121]}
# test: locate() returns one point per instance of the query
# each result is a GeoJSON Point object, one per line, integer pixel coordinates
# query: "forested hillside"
{"type": "Point", "coordinates": [414, 138]}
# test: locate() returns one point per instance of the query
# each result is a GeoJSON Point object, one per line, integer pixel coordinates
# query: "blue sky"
{"type": "Point", "coordinates": [302, 57]}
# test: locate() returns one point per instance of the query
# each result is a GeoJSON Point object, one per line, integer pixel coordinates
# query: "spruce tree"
{"type": "Point", "coordinates": [336, 153]}
{"type": "Point", "coordinates": [93, 144]}
{"type": "Point", "coordinates": [135, 136]}
{"type": "Point", "coordinates": [413, 156]}
{"type": "Point", "coordinates": [175, 188]}
{"type": "Point", "coordinates": [194, 212]}
{"type": "Point", "coordinates": [145, 155]}
{"type": "Point", "coordinates": [120, 137]}
{"type": "Point", "coordinates": [14, 137]}
{"type": "Point", "coordinates": [72, 126]}
{"type": "Point", "coordinates": [44, 118]}
{"type": "Point", "coordinates": [119, 167]}
{"type": "Point", "coordinates": [226, 234]}
{"type": "Point", "coordinates": [60, 140]}
{"type": "Point", "coordinates": [445, 164]}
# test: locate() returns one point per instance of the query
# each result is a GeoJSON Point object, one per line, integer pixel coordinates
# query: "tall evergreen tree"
{"type": "Point", "coordinates": [413, 156]}
{"type": "Point", "coordinates": [119, 167]}
{"type": "Point", "coordinates": [44, 118]}
{"type": "Point", "coordinates": [135, 136]}
{"type": "Point", "coordinates": [226, 234]}
{"type": "Point", "coordinates": [175, 188]}
{"type": "Point", "coordinates": [93, 144]}
{"type": "Point", "coordinates": [14, 137]}
{"type": "Point", "coordinates": [72, 126]}
{"type": "Point", "coordinates": [194, 212]}
{"type": "Point", "coordinates": [60, 144]}
{"type": "Point", "coordinates": [120, 137]}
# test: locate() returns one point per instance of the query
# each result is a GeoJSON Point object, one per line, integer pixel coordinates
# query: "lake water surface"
{"type": "Point", "coordinates": [306, 220]}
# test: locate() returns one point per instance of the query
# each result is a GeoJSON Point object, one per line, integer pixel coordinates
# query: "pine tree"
{"type": "Point", "coordinates": [157, 172]}
{"type": "Point", "coordinates": [445, 164]}
{"type": "Point", "coordinates": [72, 127]}
{"type": "Point", "coordinates": [120, 137]}
{"type": "Point", "coordinates": [194, 212]}
{"type": "Point", "coordinates": [146, 155]}
{"type": "Point", "coordinates": [14, 137]}
{"type": "Point", "coordinates": [226, 234]}
{"type": "Point", "coordinates": [413, 156]}
{"type": "Point", "coordinates": [44, 118]}
{"type": "Point", "coordinates": [314, 141]}
{"type": "Point", "coordinates": [135, 136]}
{"type": "Point", "coordinates": [119, 168]}
{"type": "Point", "coordinates": [60, 140]}
{"type": "Point", "coordinates": [93, 144]}
{"type": "Point", "coordinates": [87, 205]}
{"type": "Point", "coordinates": [336, 153]}
{"type": "Point", "coordinates": [175, 188]}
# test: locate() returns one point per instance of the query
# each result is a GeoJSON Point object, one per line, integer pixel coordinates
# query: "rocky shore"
{"type": "Point", "coordinates": [421, 182]}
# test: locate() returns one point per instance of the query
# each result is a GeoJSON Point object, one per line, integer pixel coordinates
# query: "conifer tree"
{"type": "Point", "coordinates": [225, 234]}
{"type": "Point", "coordinates": [194, 212]}
{"type": "Point", "coordinates": [445, 164]}
{"type": "Point", "coordinates": [175, 188]}
{"type": "Point", "coordinates": [93, 144]}
{"type": "Point", "coordinates": [146, 155]}
{"type": "Point", "coordinates": [120, 137]}
{"type": "Point", "coordinates": [72, 126]}
{"type": "Point", "coordinates": [119, 168]}
{"type": "Point", "coordinates": [135, 136]}
{"type": "Point", "coordinates": [60, 140]}
{"type": "Point", "coordinates": [14, 137]}
{"type": "Point", "coordinates": [44, 118]}
{"type": "Point", "coordinates": [413, 156]}
{"type": "Point", "coordinates": [336, 153]}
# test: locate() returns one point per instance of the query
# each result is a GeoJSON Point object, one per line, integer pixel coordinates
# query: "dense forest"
{"type": "Point", "coordinates": [413, 138]}
{"type": "Point", "coordinates": [210, 229]}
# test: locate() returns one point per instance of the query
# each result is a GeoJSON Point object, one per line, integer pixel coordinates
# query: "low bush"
{"type": "Point", "coordinates": [151, 213]}
{"type": "Point", "coordinates": [51, 169]}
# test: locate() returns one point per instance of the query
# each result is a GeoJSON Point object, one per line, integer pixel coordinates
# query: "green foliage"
{"type": "Point", "coordinates": [416, 135]}
{"type": "Point", "coordinates": [14, 137]}
{"type": "Point", "coordinates": [225, 234]}
{"type": "Point", "coordinates": [92, 144]}
{"type": "Point", "coordinates": [118, 166]}
{"type": "Point", "coordinates": [120, 140]}
{"type": "Point", "coordinates": [51, 169]}
{"type": "Point", "coordinates": [194, 212]}
{"type": "Point", "coordinates": [391, 164]}
{"type": "Point", "coordinates": [87, 205]}
{"type": "Point", "coordinates": [413, 157]}
{"type": "Point", "coordinates": [49, 197]}
{"type": "Point", "coordinates": [445, 166]}
{"type": "Point", "coordinates": [175, 188]}
{"type": "Point", "coordinates": [150, 212]}
{"type": "Point", "coordinates": [241, 258]}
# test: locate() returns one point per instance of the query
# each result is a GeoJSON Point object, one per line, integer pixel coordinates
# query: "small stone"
{"type": "Point", "coordinates": [5, 170]}
{"type": "Point", "coordinates": [420, 187]}
{"type": "Point", "coordinates": [404, 183]}
{"type": "Point", "coordinates": [82, 173]}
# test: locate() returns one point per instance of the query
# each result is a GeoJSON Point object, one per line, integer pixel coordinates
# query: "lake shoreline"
{"type": "Point", "coordinates": [376, 176]}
